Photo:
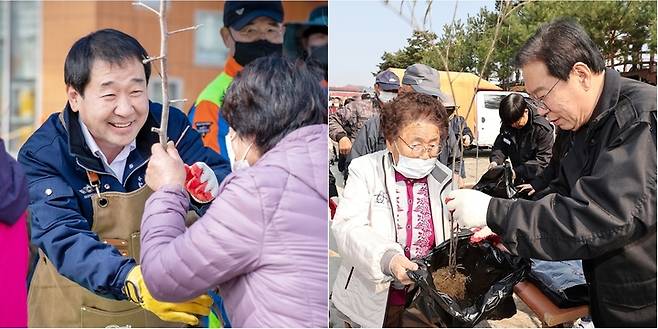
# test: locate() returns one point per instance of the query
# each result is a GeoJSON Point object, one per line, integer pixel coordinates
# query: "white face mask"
{"type": "Point", "coordinates": [236, 164]}
{"type": "Point", "coordinates": [414, 168]}
{"type": "Point", "coordinates": [230, 155]}
{"type": "Point", "coordinates": [242, 163]}
{"type": "Point", "coordinates": [386, 96]}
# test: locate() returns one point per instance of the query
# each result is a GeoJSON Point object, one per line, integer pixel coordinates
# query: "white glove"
{"type": "Point", "coordinates": [492, 164]}
{"type": "Point", "coordinates": [468, 207]}
{"type": "Point", "coordinates": [483, 233]}
{"type": "Point", "coordinates": [201, 182]}
{"type": "Point", "coordinates": [467, 140]}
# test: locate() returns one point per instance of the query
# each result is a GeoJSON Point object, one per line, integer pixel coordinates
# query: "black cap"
{"type": "Point", "coordinates": [237, 14]}
{"type": "Point", "coordinates": [318, 20]}
{"type": "Point", "coordinates": [388, 81]}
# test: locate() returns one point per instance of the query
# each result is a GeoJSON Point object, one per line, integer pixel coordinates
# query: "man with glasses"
{"type": "Point", "coordinates": [252, 29]}
{"type": "Point", "coordinates": [601, 207]}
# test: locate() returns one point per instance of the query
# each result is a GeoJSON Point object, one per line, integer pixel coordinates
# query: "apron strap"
{"type": "Point", "coordinates": [94, 181]}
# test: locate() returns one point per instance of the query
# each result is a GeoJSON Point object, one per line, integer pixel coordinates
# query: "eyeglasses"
{"type": "Point", "coordinates": [418, 149]}
{"type": "Point", "coordinates": [539, 102]}
{"type": "Point", "coordinates": [252, 34]}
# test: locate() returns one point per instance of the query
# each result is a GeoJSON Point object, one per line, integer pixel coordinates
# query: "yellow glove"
{"type": "Point", "coordinates": [136, 290]}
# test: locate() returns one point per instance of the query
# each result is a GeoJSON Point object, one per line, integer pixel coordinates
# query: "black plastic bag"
{"type": "Point", "coordinates": [492, 275]}
{"type": "Point", "coordinates": [562, 282]}
{"type": "Point", "coordinates": [497, 182]}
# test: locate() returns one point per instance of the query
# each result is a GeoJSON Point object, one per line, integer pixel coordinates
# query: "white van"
{"type": "Point", "coordinates": [487, 120]}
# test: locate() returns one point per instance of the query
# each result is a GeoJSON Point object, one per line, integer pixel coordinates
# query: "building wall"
{"type": "Point", "coordinates": [65, 22]}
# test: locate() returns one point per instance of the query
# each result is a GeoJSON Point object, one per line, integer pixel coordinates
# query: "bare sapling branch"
{"type": "Point", "coordinates": [141, 4]}
{"type": "Point", "coordinates": [164, 36]}
{"type": "Point", "coordinates": [191, 28]}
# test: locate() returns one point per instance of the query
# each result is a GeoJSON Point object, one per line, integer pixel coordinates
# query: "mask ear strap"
{"type": "Point", "coordinates": [244, 157]}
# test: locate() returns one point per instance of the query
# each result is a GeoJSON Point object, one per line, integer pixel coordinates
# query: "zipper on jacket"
{"type": "Point", "coordinates": [394, 217]}
{"type": "Point", "coordinates": [349, 277]}
{"type": "Point", "coordinates": [443, 223]}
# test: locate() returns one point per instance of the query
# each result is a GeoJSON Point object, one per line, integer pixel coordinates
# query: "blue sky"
{"type": "Point", "coordinates": [361, 31]}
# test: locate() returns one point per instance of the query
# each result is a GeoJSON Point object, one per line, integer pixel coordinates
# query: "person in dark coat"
{"type": "Point", "coordinates": [457, 123]}
{"type": "Point", "coordinates": [525, 138]}
{"type": "Point", "coordinates": [602, 205]}
{"type": "Point", "coordinates": [539, 185]}
{"type": "Point", "coordinates": [14, 196]}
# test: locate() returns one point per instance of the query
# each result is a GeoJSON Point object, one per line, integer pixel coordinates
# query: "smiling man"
{"type": "Point", "coordinates": [85, 168]}
{"type": "Point", "coordinates": [601, 207]}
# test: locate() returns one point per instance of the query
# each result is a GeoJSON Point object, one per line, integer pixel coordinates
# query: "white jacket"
{"type": "Point", "coordinates": [364, 229]}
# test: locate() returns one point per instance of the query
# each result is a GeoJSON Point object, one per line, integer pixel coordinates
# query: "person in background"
{"type": "Point", "coordinates": [418, 78]}
{"type": "Point", "coordinates": [602, 207]}
{"type": "Point", "coordinates": [540, 185]}
{"type": "Point", "coordinates": [457, 123]}
{"type": "Point", "coordinates": [14, 199]}
{"type": "Point", "coordinates": [526, 138]}
{"type": "Point", "coordinates": [346, 122]}
{"type": "Point", "coordinates": [85, 168]}
{"type": "Point", "coordinates": [334, 104]}
{"type": "Point", "coordinates": [264, 240]}
{"type": "Point", "coordinates": [252, 29]}
{"type": "Point", "coordinates": [392, 211]}
{"type": "Point", "coordinates": [315, 39]}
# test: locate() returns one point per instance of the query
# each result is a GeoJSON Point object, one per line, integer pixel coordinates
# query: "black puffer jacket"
{"type": "Point", "coordinates": [603, 210]}
{"type": "Point", "coordinates": [529, 148]}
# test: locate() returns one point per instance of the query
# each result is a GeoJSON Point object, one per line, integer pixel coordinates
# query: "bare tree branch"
{"type": "Point", "coordinates": [151, 59]}
{"type": "Point", "coordinates": [141, 4]}
{"type": "Point", "coordinates": [186, 29]}
{"type": "Point", "coordinates": [164, 36]}
{"type": "Point", "coordinates": [427, 14]}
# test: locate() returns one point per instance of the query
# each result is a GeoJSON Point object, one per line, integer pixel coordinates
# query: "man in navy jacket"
{"type": "Point", "coordinates": [100, 143]}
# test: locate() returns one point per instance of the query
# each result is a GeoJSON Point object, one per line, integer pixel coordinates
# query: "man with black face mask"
{"type": "Point", "coordinates": [315, 39]}
{"type": "Point", "coordinates": [252, 29]}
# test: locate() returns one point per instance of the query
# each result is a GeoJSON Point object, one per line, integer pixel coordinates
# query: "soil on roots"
{"type": "Point", "coordinates": [451, 282]}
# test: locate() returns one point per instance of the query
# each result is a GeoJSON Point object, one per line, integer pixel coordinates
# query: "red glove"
{"type": "Point", "coordinates": [201, 182]}
{"type": "Point", "coordinates": [484, 233]}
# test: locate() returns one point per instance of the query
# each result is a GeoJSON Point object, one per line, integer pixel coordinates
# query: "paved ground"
{"type": "Point", "coordinates": [524, 317]}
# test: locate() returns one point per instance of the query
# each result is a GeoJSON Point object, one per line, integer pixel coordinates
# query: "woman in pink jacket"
{"type": "Point", "coordinates": [263, 241]}
{"type": "Point", "coordinates": [13, 242]}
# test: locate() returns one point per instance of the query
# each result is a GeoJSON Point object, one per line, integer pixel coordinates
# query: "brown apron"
{"type": "Point", "coordinates": [55, 301]}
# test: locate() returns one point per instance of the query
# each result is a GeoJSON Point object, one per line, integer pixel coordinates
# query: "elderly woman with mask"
{"type": "Point", "coordinates": [263, 241]}
{"type": "Point", "coordinates": [392, 211]}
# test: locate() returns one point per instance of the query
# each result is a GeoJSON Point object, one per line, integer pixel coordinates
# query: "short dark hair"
{"type": "Point", "coordinates": [411, 107]}
{"type": "Point", "coordinates": [511, 108]}
{"type": "Point", "coordinates": [272, 97]}
{"type": "Point", "coordinates": [108, 45]}
{"type": "Point", "coordinates": [559, 45]}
